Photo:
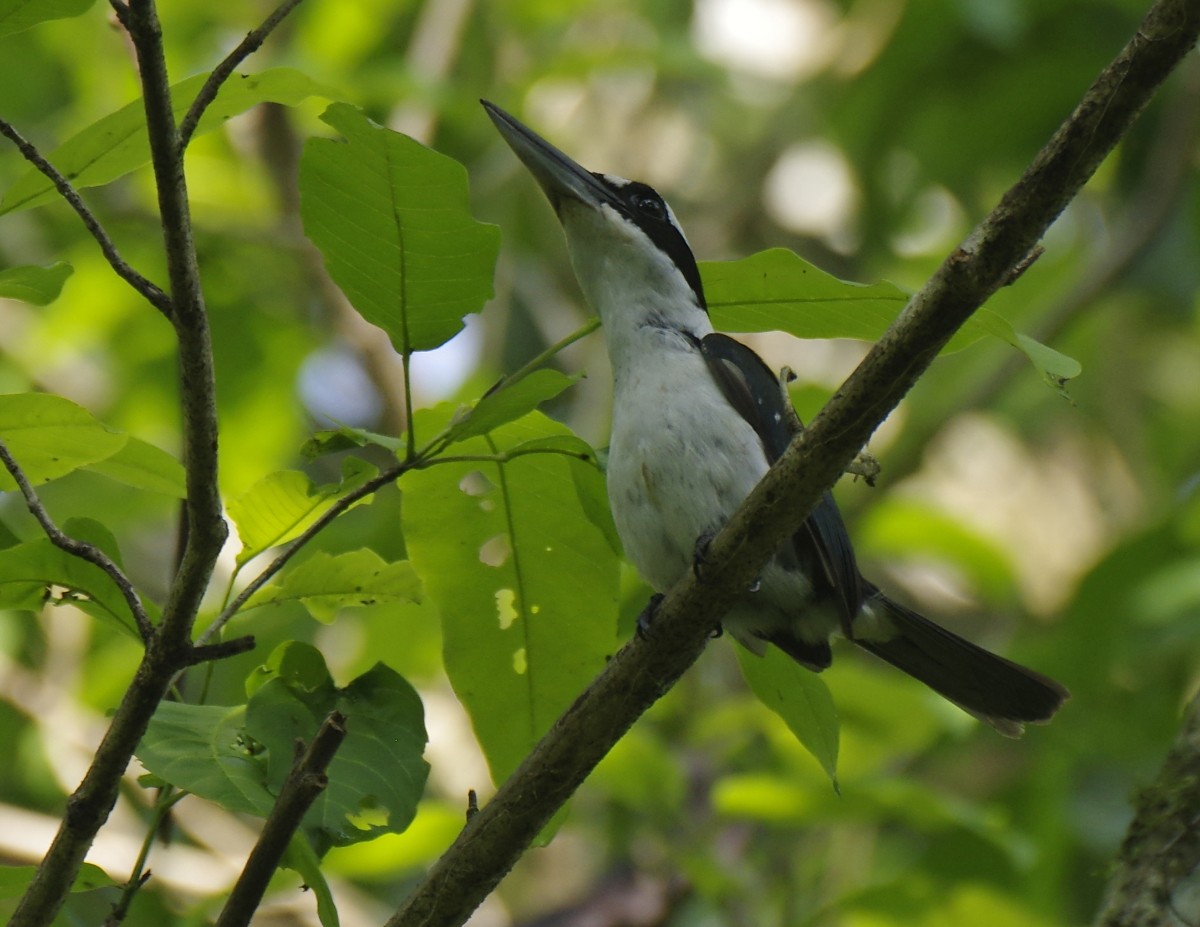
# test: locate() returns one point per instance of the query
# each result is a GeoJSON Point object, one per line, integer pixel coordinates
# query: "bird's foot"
{"type": "Point", "coordinates": [866, 466]}
{"type": "Point", "coordinates": [700, 554]}
{"type": "Point", "coordinates": [646, 618]}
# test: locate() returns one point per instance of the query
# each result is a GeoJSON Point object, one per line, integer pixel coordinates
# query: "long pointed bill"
{"type": "Point", "coordinates": [556, 174]}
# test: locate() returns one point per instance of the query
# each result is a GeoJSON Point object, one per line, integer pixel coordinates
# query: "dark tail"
{"type": "Point", "coordinates": [1004, 694]}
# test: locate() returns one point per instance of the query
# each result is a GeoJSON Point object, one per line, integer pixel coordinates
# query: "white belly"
{"type": "Point", "coordinates": [681, 461]}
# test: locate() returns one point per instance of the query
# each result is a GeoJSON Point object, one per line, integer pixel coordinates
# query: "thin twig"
{"type": "Point", "coordinates": [246, 47]}
{"type": "Point", "coordinates": [342, 504]}
{"type": "Point", "coordinates": [153, 294]}
{"type": "Point", "coordinates": [80, 549]}
{"type": "Point", "coordinates": [140, 874]}
{"type": "Point", "coordinates": [304, 784]}
{"type": "Point", "coordinates": [541, 359]}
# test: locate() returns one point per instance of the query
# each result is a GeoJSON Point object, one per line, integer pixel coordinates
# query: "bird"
{"type": "Point", "coordinates": [697, 420]}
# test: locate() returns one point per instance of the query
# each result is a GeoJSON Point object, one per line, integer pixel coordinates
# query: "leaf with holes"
{"type": "Point", "coordinates": [325, 583]}
{"type": "Point", "coordinates": [777, 290]}
{"type": "Point", "coordinates": [378, 774]}
{"type": "Point", "coordinates": [204, 750]}
{"type": "Point", "coordinates": [391, 219]}
{"type": "Point", "coordinates": [117, 144]}
{"type": "Point", "coordinates": [36, 572]}
{"type": "Point", "coordinates": [525, 582]}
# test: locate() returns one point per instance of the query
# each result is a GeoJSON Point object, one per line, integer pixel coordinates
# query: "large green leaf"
{"type": "Point", "coordinates": [525, 582]}
{"type": "Point", "coordinates": [15, 879]}
{"type": "Point", "coordinates": [144, 466]}
{"type": "Point", "coordinates": [50, 436]}
{"type": "Point", "coordinates": [325, 583]}
{"type": "Point", "coordinates": [281, 505]}
{"type": "Point", "coordinates": [204, 750]}
{"type": "Point", "coordinates": [391, 218]}
{"type": "Point", "coordinates": [238, 757]}
{"type": "Point", "coordinates": [378, 774]}
{"type": "Point", "coordinates": [800, 698]}
{"type": "Point", "coordinates": [777, 290]}
{"type": "Point", "coordinates": [33, 284]}
{"type": "Point", "coordinates": [508, 403]}
{"type": "Point", "coordinates": [19, 15]}
{"type": "Point", "coordinates": [117, 144]}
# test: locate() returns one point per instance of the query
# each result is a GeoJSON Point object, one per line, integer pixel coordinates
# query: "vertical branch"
{"type": "Point", "coordinates": [170, 649]}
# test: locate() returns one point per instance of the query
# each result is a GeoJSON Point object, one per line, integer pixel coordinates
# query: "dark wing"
{"type": "Point", "coordinates": [822, 545]}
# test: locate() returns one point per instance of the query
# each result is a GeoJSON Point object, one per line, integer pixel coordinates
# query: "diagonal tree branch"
{"type": "Point", "coordinates": [304, 784]}
{"type": "Point", "coordinates": [642, 671]}
{"type": "Point", "coordinates": [1152, 884]}
{"type": "Point", "coordinates": [246, 47]}
{"type": "Point", "coordinates": [155, 296]}
{"type": "Point", "coordinates": [80, 549]}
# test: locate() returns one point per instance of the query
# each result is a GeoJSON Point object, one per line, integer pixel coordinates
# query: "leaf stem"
{"type": "Point", "coordinates": [167, 799]}
{"type": "Point", "coordinates": [538, 361]}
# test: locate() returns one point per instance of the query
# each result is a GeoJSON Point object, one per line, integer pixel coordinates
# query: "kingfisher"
{"type": "Point", "coordinates": [697, 420]}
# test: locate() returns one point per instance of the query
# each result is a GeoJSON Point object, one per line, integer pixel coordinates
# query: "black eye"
{"type": "Point", "coordinates": [649, 204]}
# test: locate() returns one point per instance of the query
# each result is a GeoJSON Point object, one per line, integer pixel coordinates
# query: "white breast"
{"type": "Point", "coordinates": [681, 458]}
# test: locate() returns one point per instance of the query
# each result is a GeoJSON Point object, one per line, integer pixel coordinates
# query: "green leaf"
{"type": "Point", "coordinates": [239, 757]}
{"type": "Point", "coordinates": [204, 750]}
{"type": "Point", "coordinates": [50, 436]}
{"type": "Point", "coordinates": [525, 582]}
{"type": "Point", "coordinates": [144, 466]}
{"type": "Point", "coordinates": [509, 403]}
{"type": "Point", "coordinates": [281, 505]}
{"type": "Point", "coordinates": [800, 698]}
{"type": "Point", "coordinates": [117, 144]}
{"type": "Point", "coordinates": [29, 571]}
{"type": "Point", "coordinates": [345, 438]}
{"type": "Point", "coordinates": [1056, 368]}
{"type": "Point", "coordinates": [391, 219]}
{"type": "Point", "coordinates": [325, 583]}
{"type": "Point", "coordinates": [378, 774]}
{"type": "Point", "coordinates": [19, 15]}
{"type": "Point", "coordinates": [37, 285]}
{"type": "Point", "coordinates": [777, 290]}
{"type": "Point", "coordinates": [15, 879]}
{"type": "Point", "coordinates": [301, 858]}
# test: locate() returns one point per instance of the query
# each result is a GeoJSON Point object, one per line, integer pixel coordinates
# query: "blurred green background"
{"type": "Point", "coordinates": [868, 136]}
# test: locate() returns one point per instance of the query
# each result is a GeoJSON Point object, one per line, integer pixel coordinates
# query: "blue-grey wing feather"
{"type": "Point", "coordinates": [822, 545]}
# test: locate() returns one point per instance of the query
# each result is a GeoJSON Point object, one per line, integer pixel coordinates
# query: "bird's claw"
{"type": "Point", "coordinates": [700, 554]}
{"type": "Point", "coordinates": [646, 618]}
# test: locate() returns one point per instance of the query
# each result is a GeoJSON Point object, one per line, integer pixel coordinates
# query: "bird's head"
{"type": "Point", "coordinates": [629, 253]}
